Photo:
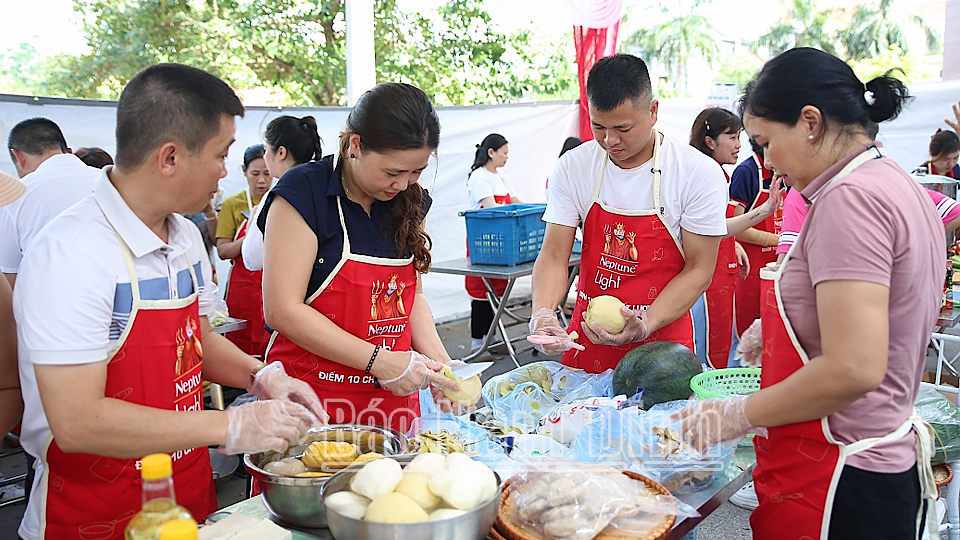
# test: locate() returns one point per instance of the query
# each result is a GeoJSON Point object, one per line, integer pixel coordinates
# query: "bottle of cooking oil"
{"type": "Point", "coordinates": [179, 529]}
{"type": "Point", "coordinates": [159, 502]}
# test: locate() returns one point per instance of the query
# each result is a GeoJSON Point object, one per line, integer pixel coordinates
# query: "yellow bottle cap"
{"type": "Point", "coordinates": [179, 529]}
{"type": "Point", "coordinates": [156, 466]}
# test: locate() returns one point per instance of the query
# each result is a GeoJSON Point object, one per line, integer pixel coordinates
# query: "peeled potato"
{"type": "Point", "coordinates": [469, 388]}
{"type": "Point", "coordinates": [348, 503]}
{"type": "Point", "coordinates": [416, 486]}
{"type": "Point", "coordinates": [285, 467]}
{"type": "Point", "coordinates": [605, 310]}
{"type": "Point", "coordinates": [445, 513]}
{"type": "Point", "coordinates": [376, 478]}
{"type": "Point", "coordinates": [394, 508]}
{"type": "Point", "coordinates": [425, 463]}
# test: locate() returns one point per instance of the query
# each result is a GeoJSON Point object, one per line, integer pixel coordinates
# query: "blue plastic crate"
{"type": "Point", "coordinates": [505, 235]}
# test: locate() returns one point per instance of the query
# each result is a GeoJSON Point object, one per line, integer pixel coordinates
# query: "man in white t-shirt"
{"type": "Point", "coordinates": [55, 179]}
{"type": "Point", "coordinates": [652, 210]}
{"type": "Point", "coordinates": [114, 342]}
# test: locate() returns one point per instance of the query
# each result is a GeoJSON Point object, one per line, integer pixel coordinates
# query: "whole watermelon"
{"type": "Point", "coordinates": [662, 368]}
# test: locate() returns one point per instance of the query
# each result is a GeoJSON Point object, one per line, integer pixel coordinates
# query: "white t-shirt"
{"type": "Point", "coordinates": [57, 184]}
{"type": "Point", "coordinates": [73, 295]}
{"type": "Point", "coordinates": [482, 184]}
{"type": "Point", "coordinates": [251, 249]}
{"type": "Point", "coordinates": [693, 190]}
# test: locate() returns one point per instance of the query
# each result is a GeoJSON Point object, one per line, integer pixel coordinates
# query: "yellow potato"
{"type": "Point", "coordinates": [416, 486]}
{"type": "Point", "coordinates": [605, 310]}
{"type": "Point", "coordinates": [469, 388]}
{"type": "Point", "coordinates": [394, 508]}
{"type": "Point", "coordinates": [369, 456]}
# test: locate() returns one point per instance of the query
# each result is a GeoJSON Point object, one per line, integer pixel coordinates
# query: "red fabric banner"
{"type": "Point", "coordinates": [591, 45]}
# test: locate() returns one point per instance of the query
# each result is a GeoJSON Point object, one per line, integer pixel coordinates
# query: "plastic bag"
{"type": "Point", "coordinates": [220, 313]}
{"type": "Point", "coordinates": [477, 441]}
{"type": "Point", "coordinates": [564, 503]}
{"type": "Point", "coordinates": [945, 419]}
{"type": "Point", "coordinates": [677, 466]}
{"type": "Point", "coordinates": [519, 398]}
{"type": "Point", "coordinates": [642, 442]}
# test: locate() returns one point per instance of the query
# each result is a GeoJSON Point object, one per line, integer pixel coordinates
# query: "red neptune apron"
{"type": "Point", "coordinates": [799, 465]}
{"type": "Point", "coordinates": [383, 318]}
{"type": "Point", "coordinates": [157, 363]}
{"type": "Point", "coordinates": [719, 299]}
{"type": "Point", "coordinates": [630, 254]}
{"type": "Point", "coordinates": [748, 291]}
{"type": "Point", "coordinates": [245, 299]}
{"type": "Point", "coordinates": [475, 287]}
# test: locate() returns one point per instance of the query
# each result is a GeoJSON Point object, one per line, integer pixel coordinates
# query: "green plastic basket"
{"type": "Point", "coordinates": [726, 382]}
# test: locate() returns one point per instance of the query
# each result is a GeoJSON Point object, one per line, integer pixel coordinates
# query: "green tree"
{"type": "Point", "coordinates": [299, 47]}
{"type": "Point", "coordinates": [803, 26]}
{"type": "Point", "coordinates": [905, 66]}
{"type": "Point", "coordinates": [877, 27]}
{"type": "Point", "coordinates": [676, 41]}
{"type": "Point", "coordinates": [739, 69]}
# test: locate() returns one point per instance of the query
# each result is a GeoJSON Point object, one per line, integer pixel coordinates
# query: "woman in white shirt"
{"type": "Point", "coordinates": [486, 187]}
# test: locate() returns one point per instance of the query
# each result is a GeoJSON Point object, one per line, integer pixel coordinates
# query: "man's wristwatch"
{"type": "Point", "coordinates": [253, 372]}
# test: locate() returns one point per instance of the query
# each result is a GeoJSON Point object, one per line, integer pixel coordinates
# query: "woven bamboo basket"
{"type": "Point", "coordinates": [509, 527]}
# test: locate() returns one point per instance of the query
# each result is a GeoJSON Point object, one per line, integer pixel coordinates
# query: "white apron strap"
{"type": "Point", "coordinates": [346, 236]}
{"type": "Point", "coordinates": [928, 487]}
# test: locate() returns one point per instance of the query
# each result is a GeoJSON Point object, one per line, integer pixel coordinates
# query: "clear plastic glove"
{"type": "Point", "coordinates": [547, 336]}
{"type": "Point", "coordinates": [266, 425]}
{"type": "Point", "coordinates": [272, 382]}
{"type": "Point", "coordinates": [636, 329]}
{"type": "Point", "coordinates": [713, 421]}
{"type": "Point", "coordinates": [743, 261]}
{"type": "Point", "coordinates": [444, 403]}
{"type": "Point", "coordinates": [750, 348]}
{"type": "Point", "coordinates": [420, 373]}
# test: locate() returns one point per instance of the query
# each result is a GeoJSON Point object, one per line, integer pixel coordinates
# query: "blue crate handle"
{"type": "Point", "coordinates": [506, 210]}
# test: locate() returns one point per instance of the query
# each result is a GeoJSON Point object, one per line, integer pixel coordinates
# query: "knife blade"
{"type": "Point", "coordinates": [465, 371]}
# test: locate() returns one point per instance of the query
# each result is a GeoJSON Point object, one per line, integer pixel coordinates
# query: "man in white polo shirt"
{"type": "Point", "coordinates": [111, 304]}
{"type": "Point", "coordinates": [55, 179]}
{"type": "Point", "coordinates": [652, 212]}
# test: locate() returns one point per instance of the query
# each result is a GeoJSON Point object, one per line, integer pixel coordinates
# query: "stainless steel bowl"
{"type": "Point", "coordinates": [296, 500]}
{"type": "Point", "coordinates": [474, 525]}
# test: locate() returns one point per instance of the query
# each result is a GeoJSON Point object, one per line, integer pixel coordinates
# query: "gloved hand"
{"type": "Point", "coordinates": [420, 373]}
{"type": "Point", "coordinates": [636, 329]}
{"type": "Point", "coordinates": [547, 336]}
{"type": "Point", "coordinates": [713, 421]}
{"type": "Point", "coordinates": [272, 382]}
{"type": "Point", "coordinates": [266, 425]}
{"type": "Point", "coordinates": [444, 402]}
{"type": "Point", "coordinates": [750, 348]}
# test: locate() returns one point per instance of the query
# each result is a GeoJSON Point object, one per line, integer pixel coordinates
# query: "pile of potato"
{"type": "Point", "coordinates": [318, 457]}
{"type": "Point", "coordinates": [431, 487]}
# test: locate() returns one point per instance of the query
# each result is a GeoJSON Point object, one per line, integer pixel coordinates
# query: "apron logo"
{"type": "Point", "coordinates": [189, 349]}
{"type": "Point", "coordinates": [606, 281]}
{"type": "Point", "coordinates": [619, 243]}
{"type": "Point", "coordinates": [386, 301]}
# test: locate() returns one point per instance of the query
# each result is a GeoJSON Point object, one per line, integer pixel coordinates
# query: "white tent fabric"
{"type": "Point", "coordinates": [535, 132]}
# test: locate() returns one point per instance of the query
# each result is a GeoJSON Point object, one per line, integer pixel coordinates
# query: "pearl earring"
{"type": "Point", "coordinates": [810, 137]}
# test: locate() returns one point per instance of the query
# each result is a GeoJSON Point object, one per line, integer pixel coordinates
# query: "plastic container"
{"type": "Point", "coordinates": [505, 235]}
{"type": "Point", "coordinates": [723, 383]}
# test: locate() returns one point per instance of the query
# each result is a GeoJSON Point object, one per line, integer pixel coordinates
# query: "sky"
{"type": "Point", "coordinates": [52, 26]}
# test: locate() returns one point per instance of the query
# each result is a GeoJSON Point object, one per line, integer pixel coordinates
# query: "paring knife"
{"type": "Point", "coordinates": [465, 371]}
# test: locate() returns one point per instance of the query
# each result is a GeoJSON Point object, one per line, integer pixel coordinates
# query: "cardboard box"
{"type": "Point", "coordinates": [946, 379]}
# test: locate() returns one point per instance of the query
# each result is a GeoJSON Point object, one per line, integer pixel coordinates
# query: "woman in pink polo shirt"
{"type": "Point", "coordinates": [845, 318]}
